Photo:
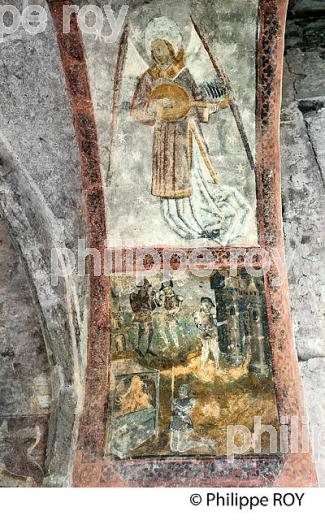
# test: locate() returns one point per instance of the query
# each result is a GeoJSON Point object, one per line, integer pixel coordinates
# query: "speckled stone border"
{"type": "Point", "coordinates": [90, 467]}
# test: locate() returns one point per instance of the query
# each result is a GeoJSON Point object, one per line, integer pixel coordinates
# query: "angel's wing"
{"type": "Point", "coordinates": [197, 60]}
{"type": "Point", "coordinates": [135, 66]}
{"type": "Point", "coordinates": [130, 66]}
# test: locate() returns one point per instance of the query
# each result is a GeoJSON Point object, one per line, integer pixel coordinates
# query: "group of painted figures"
{"type": "Point", "coordinates": [145, 301]}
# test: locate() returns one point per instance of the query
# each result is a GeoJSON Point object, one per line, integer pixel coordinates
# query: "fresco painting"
{"type": "Point", "coordinates": [175, 109]}
{"type": "Point", "coordinates": [190, 356]}
{"type": "Point", "coordinates": [178, 124]}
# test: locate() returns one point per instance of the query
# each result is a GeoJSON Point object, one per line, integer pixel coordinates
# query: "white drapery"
{"type": "Point", "coordinates": [218, 213]}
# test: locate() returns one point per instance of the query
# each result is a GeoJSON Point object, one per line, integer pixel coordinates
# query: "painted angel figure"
{"type": "Point", "coordinates": [167, 98]}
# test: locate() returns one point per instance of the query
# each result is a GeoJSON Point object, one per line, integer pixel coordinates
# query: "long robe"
{"type": "Point", "coordinates": [193, 204]}
{"type": "Point", "coordinates": [171, 161]}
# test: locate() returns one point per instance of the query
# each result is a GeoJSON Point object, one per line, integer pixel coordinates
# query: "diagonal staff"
{"type": "Point", "coordinates": [122, 51]}
{"type": "Point", "coordinates": [225, 81]}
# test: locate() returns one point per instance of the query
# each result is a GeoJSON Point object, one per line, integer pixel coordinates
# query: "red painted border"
{"type": "Point", "coordinates": [92, 425]}
{"type": "Point", "coordinates": [299, 470]}
{"type": "Point", "coordinates": [90, 468]}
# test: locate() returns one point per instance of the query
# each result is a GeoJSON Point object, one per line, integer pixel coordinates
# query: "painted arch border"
{"type": "Point", "coordinates": [91, 469]}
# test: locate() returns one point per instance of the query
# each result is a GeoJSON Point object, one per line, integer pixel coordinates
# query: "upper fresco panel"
{"type": "Point", "coordinates": [175, 101]}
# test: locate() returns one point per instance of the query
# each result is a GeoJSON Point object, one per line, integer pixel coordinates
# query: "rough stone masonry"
{"type": "Point", "coordinates": [303, 196]}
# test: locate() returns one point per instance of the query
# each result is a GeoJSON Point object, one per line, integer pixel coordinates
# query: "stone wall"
{"type": "Point", "coordinates": [303, 195]}
{"type": "Point", "coordinates": [41, 200]}
{"type": "Point", "coordinates": [25, 392]}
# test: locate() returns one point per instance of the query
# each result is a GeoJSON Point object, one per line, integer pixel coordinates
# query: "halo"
{"type": "Point", "coordinates": [165, 29]}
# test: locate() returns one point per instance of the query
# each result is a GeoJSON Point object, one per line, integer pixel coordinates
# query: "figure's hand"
{"type": "Point", "coordinates": [224, 102]}
{"type": "Point", "coordinates": [167, 103]}
{"type": "Point", "coordinates": [151, 107]}
{"type": "Point", "coordinates": [219, 323]}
